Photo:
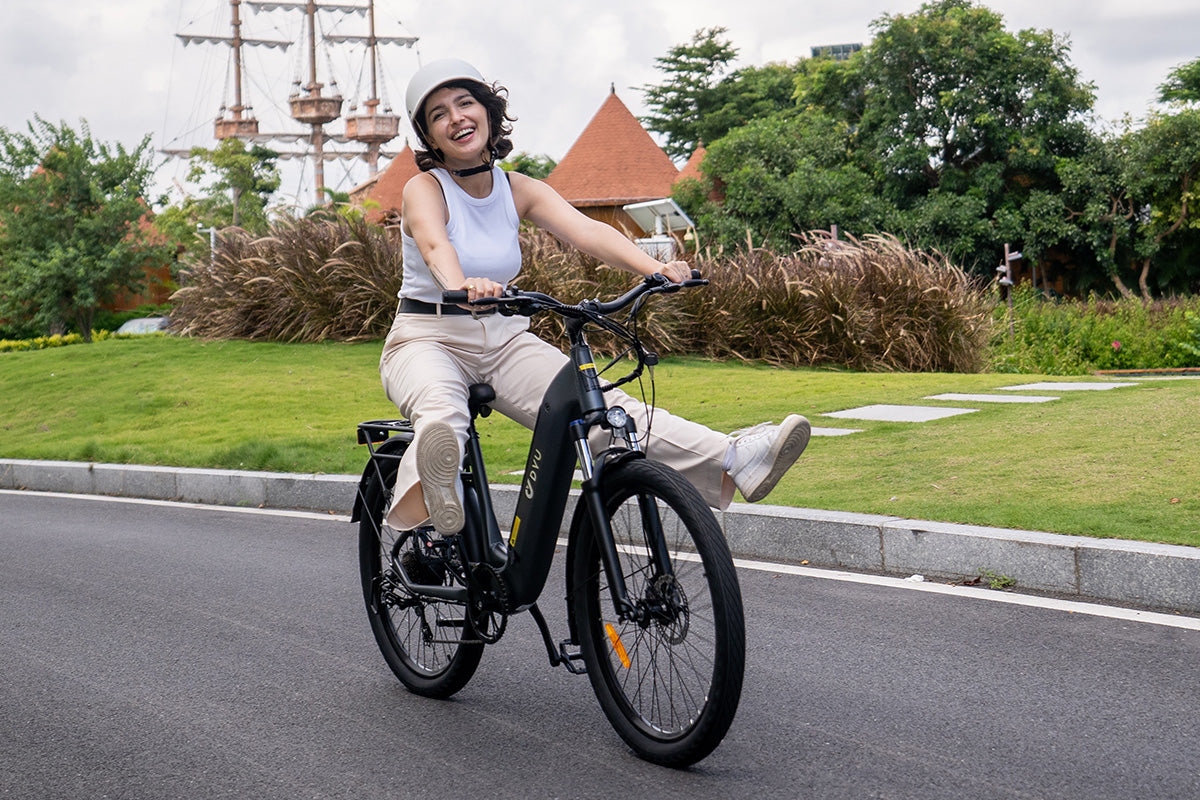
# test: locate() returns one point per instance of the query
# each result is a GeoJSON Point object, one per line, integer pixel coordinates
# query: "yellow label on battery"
{"type": "Point", "coordinates": [585, 367]}
{"type": "Point", "coordinates": [512, 540]}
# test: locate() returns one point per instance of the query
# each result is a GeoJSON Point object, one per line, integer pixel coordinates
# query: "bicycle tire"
{"type": "Point", "coordinates": [426, 642]}
{"type": "Point", "coordinates": [670, 686]}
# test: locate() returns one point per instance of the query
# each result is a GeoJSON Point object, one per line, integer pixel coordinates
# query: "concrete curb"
{"type": "Point", "coordinates": [1117, 571]}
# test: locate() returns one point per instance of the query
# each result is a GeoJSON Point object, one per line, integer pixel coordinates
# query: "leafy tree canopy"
{"type": "Point", "coordinates": [950, 130]}
{"type": "Point", "coordinates": [686, 96]}
{"type": "Point", "coordinates": [948, 89]}
{"type": "Point", "coordinates": [528, 164]}
{"type": "Point", "coordinates": [71, 232]}
{"type": "Point", "coordinates": [1182, 84]}
{"type": "Point", "coordinates": [240, 182]}
{"type": "Point", "coordinates": [236, 184]}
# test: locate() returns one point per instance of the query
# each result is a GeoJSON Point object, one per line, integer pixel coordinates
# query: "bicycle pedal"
{"type": "Point", "coordinates": [568, 658]}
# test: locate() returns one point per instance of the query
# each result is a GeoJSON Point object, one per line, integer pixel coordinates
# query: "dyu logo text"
{"type": "Point", "coordinates": [531, 473]}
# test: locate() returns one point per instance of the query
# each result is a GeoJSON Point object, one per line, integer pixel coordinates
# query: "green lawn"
{"type": "Point", "coordinates": [1121, 463]}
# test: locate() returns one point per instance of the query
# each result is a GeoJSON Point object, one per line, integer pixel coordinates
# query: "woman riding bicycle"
{"type": "Point", "coordinates": [460, 219]}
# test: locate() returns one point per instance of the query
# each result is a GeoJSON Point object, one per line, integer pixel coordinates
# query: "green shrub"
{"type": "Point", "coordinates": [44, 342]}
{"type": "Point", "coordinates": [1188, 348]}
{"type": "Point", "coordinates": [1067, 337]}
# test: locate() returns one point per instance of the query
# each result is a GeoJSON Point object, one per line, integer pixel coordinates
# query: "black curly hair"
{"type": "Point", "coordinates": [495, 99]}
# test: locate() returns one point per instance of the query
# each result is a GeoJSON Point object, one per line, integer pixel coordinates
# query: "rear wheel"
{"type": "Point", "coordinates": [668, 676]}
{"type": "Point", "coordinates": [429, 643]}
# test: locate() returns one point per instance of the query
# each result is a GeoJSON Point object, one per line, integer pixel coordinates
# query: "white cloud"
{"type": "Point", "coordinates": [118, 64]}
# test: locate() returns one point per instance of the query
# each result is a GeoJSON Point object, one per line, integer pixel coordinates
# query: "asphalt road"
{"type": "Point", "coordinates": [163, 651]}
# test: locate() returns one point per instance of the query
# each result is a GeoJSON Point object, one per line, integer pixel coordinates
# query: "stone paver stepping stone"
{"type": "Point", "coordinates": [890, 413]}
{"type": "Point", "coordinates": [992, 398]}
{"type": "Point", "coordinates": [1051, 386]}
{"type": "Point", "coordinates": [835, 431]}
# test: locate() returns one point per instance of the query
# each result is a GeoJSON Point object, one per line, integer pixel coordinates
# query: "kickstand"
{"type": "Point", "coordinates": [560, 656]}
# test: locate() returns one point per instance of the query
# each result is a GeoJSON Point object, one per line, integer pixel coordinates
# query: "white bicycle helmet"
{"type": "Point", "coordinates": [429, 78]}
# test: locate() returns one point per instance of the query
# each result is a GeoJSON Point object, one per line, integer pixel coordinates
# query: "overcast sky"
{"type": "Point", "coordinates": [117, 63]}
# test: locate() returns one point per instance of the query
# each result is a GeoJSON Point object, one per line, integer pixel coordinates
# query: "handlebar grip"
{"type": "Point", "coordinates": [454, 296]}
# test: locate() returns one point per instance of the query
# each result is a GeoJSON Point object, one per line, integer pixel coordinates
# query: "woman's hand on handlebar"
{"type": "Point", "coordinates": [676, 271]}
{"type": "Point", "coordinates": [477, 288]}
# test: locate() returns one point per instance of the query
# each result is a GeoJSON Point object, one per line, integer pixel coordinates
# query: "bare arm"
{"type": "Point", "coordinates": [545, 208]}
{"type": "Point", "coordinates": [423, 212]}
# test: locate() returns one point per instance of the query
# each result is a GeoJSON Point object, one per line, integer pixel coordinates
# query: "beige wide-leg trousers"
{"type": "Point", "coordinates": [429, 361]}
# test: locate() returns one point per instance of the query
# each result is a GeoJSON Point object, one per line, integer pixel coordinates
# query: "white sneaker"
{"type": "Point", "coordinates": [762, 454]}
{"type": "Point", "coordinates": [437, 465]}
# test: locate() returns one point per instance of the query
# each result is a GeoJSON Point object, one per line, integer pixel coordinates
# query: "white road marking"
{"type": "Point", "coordinates": [977, 593]}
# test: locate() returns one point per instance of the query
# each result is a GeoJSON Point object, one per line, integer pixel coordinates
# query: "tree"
{"type": "Point", "coordinates": [241, 182]}
{"type": "Point", "coordinates": [1163, 173]}
{"type": "Point", "coordinates": [528, 164]}
{"type": "Point", "coordinates": [686, 97]}
{"type": "Point", "coordinates": [954, 122]}
{"type": "Point", "coordinates": [1182, 84]}
{"type": "Point", "coordinates": [781, 176]}
{"type": "Point", "coordinates": [1132, 199]}
{"type": "Point", "coordinates": [748, 94]}
{"type": "Point", "coordinates": [237, 184]}
{"type": "Point", "coordinates": [949, 89]}
{"type": "Point", "coordinates": [71, 224]}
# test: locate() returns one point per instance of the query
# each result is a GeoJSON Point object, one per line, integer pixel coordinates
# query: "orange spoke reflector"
{"type": "Point", "coordinates": [615, 638]}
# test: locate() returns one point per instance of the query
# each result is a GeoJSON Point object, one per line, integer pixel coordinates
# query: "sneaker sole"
{"type": "Point", "coordinates": [437, 466]}
{"type": "Point", "coordinates": [793, 438]}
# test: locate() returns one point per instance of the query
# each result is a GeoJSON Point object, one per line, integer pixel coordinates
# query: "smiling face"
{"type": "Point", "coordinates": [457, 124]}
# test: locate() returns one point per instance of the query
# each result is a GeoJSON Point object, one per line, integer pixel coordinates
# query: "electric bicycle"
{"type": "Point", "coordinates": [654, 610]}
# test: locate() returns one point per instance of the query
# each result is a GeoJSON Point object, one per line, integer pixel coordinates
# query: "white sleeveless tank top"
{"type": "Point", "coordinates": [482, 230]}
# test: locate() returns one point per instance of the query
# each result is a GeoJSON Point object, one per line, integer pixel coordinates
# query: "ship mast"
{"type": "Point", "coordinates": [317, 110]}
{"type": "Point", "coordinates": [235, 124]}
{"type": "Point", "coordinates": [313, 108]}
{"type": "Point", "coordinates": [309, 104]}
{"type": "Point", "coordinates": [373, 128]}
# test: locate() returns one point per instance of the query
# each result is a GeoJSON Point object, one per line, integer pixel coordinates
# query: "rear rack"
{"type": "Point", "coordinates": [380, 430]}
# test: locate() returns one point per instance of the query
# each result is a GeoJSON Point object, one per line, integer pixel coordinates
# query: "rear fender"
{"type": "Point", "coordinates": [379, 465]}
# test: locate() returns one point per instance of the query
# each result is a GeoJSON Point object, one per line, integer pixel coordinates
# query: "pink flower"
{"type": "Point", "coordinates": [1116, 345]}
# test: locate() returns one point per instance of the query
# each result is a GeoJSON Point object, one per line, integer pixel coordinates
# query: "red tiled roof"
{"type": "Point", "coordinates": [692, 168]}
{"type": "Point", "coordinates": [613, 162]}
{"type": "Point", "coordinates": [388, 188]}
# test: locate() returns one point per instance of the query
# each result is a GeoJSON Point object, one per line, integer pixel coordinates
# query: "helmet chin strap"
{"type": "Point", "coordinates": [464, 173]}
{"type": "Point", "coordinates": [469, 171]}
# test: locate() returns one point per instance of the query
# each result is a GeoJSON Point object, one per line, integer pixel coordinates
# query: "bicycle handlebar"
{"type": "Point", "coordinates": [516, 301]}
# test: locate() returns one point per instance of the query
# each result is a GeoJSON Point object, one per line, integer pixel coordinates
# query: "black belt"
{"type": "Point", "coordinates": [410, 306]}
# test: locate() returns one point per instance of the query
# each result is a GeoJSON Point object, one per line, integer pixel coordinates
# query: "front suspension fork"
{"type": "Point", "coordinates": [593, 470]}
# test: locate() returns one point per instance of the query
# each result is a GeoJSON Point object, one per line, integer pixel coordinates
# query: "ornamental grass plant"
{"type": "Point", "coordinates": [320, 278]}
{"type": "Point", "coordinates": [868, 304]}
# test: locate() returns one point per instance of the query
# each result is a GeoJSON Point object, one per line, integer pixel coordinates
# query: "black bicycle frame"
{"type": "Point", "coordinates": [572, 406]}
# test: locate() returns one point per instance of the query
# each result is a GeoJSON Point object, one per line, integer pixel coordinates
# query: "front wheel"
{"type": "Point", "coordinates": [430, 644]}
{"type": "Point", "coordinates": [669, 675]}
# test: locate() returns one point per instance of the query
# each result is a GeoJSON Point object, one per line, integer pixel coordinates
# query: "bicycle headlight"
{"type": "Point", "coordinates": [616, 418]}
